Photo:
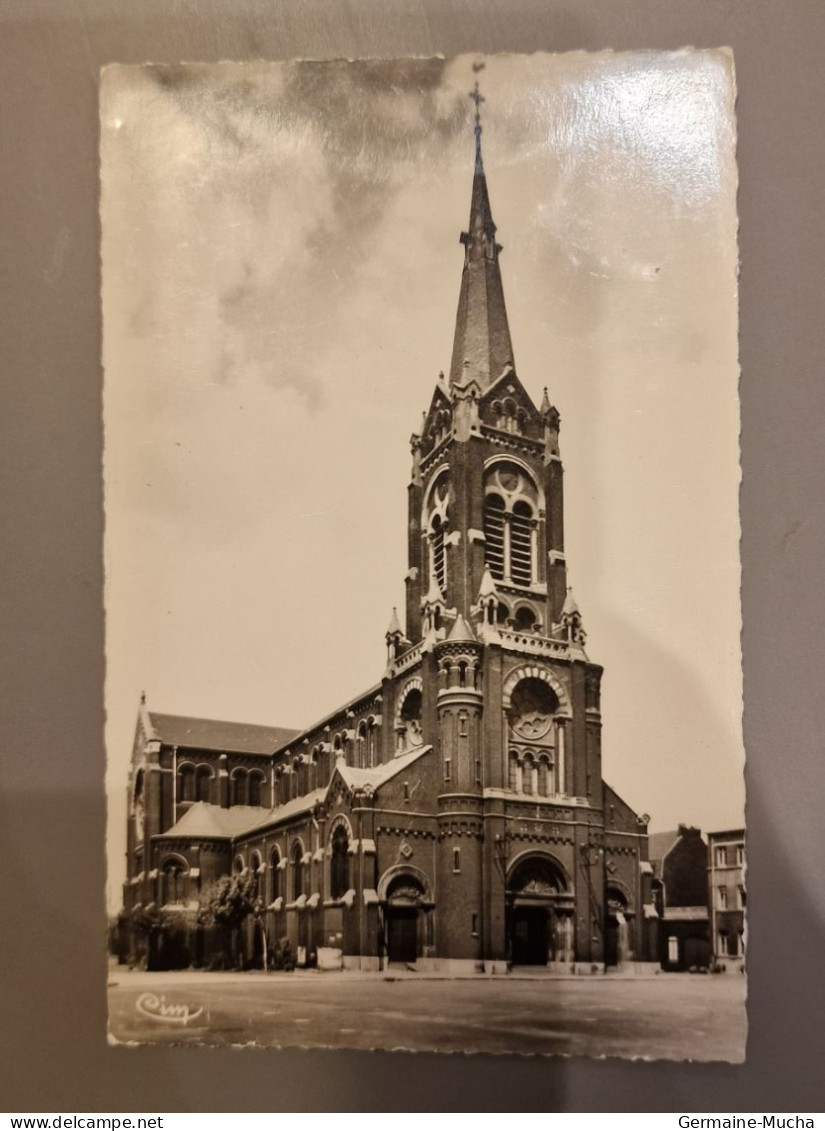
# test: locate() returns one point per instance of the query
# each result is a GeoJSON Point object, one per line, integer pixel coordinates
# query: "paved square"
{"type": "Point", "coordinates": [674, 1017]}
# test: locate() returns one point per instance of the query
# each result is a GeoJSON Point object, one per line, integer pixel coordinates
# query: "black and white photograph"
{"type": "Point", "coordinates": [422, 580]}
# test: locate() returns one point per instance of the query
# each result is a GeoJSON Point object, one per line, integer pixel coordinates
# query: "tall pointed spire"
{"type": "Point", "coordinates": [482, 347]}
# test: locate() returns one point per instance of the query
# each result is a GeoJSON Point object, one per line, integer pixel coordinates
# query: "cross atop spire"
{"type": "Point", "coordinates": [478, 98]}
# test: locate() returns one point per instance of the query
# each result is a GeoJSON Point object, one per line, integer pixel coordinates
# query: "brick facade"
{"type": "Point", "coordinates": [454, 814]}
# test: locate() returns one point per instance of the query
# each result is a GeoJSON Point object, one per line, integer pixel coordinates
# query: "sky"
{"type": "Point", "coordinates": [281, 266]}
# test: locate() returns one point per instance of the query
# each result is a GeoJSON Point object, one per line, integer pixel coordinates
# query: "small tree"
{"type": "Point", "coordinates": [146, 923]}
{"type": "Point", "coordinates": [226, 904]}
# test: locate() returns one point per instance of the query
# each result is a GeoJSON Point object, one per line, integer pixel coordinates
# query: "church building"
{"type": "Point", "coordinates": [453, 816]}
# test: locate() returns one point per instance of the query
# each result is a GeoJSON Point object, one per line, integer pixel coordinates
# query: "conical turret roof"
{"type": "Point", "coordinates": [461, 631]}
{"type": "Point", "coordinates": [570, 607]}
{"type": "Point", "coordinates": [488, 586]}
{"type": "Point", "coordinates": [395, 625]}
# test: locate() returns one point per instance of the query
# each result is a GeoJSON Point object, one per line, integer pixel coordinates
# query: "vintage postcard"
{"type": "Point", "coordinates": [422, 555]}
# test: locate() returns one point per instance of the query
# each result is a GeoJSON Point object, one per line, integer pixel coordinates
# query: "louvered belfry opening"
{"type": "Point", "coordinates": [521, 553]}
{"type": "Point", "coordinates": [494, 535]}
{"type": "Point", "coordinates": [439, 564]}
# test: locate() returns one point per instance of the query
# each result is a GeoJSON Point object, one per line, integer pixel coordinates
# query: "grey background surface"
{"type": "Point", "coordinates": [54, 1055]}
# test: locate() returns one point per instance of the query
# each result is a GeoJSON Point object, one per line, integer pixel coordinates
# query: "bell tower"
{"type": "Point", "coordinates": [510, 700]}
{"type": "Point", "coordinates": [486, 491]}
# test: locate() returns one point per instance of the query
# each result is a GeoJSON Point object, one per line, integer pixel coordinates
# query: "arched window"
{"type": "Point", "coordinates": [521, 543]}
{"type": "Point", "coordinates": [139, 807]}
{"type": "Point", "coordinates": [511, 505]}
{"type": "Point", "coordinates": [275, 875]}
{"type": "Point", "coordinates": [256, 783]}
{"type": "Point", "coordinates": [544, 778]}
{"type": "Point", "coordinates": [525, 619]}
{"type": "Point", "coordinates": [532, 723]}
{"type": "Point", "coordinates": [339, 863]}
{"type": "Point", "coordinates": [186, 783]}
{"type": "Point", "coordinates": [172, 882]}
{"type": "Point", "coordinates": [361, 745]}
{"type": "Point", "coordinates": [372, 743]}
{"type": "Point", "coordinates": [203, 783]}
{"type": "Point", "coordinates": [494, 535]}
{"type": "Point", "coordinates": [255, 866]}
{"type": "Point", "coordinates": [297, 870]}
{"type": "Point", "coordinates": [514, 774]}
{"type": "Point", "coordinates": [533, 704]}
{"type": "Point", "coordinates": [527, 775]}
{"type": "Point", "coordinates": [409, 722]}
{"type": "Point", "coordinates": [239, 787]}
{"type": "Point", "coordinates": [337, 752]}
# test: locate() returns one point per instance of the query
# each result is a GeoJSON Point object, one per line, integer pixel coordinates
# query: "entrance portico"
{"type": "Point", "coordinates": [406, 912]}
{"type": "Point", "coordinates": [539, 913]}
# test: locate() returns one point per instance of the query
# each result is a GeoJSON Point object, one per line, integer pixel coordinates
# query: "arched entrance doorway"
{"type": "Point", "coordinates": [617, 929]}
{"type": "Point", "coordinates": [407, 917]}
{"type": "Point", "coordinates": [539, 913]}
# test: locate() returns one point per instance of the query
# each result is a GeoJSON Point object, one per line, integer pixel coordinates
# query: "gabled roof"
{"type": "Point", "coordinates": [213, 822]}
{"type": "Point", "coordinates": [378, 775]}
{"type": "Point", "coordinates": [439, 401]}
{"type": "Point", "coordinates": [351, 776]}
{"type": "Point", "coordinates": [291, 808]}
{"type": "Point", "coordinates": [658, 844]}
{"type": "Point", "coordinates": [214, 734]}
{"type": "Point", "coordinates": [508, 384]}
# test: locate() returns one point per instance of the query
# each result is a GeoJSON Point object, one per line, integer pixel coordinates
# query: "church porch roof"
{"type": "Point", "coordinates": [203, 819]}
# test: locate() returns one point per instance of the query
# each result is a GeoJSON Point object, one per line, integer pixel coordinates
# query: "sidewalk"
{"type": "Point", "coordinates": [123, 976]}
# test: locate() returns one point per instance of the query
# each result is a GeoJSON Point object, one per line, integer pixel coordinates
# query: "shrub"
{"type": "Point", "coordinates": [280, 956]}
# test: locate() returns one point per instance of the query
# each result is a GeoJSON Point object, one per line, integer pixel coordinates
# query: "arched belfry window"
{"type": "Point", "coordinates": [436, 526]}
{"type": "Point", "coordinates": [511, 508]}
{"type": "Point", "coordinates": [339, 863]}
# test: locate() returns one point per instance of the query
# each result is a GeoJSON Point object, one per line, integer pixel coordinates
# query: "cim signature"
{"type": "Point", "coordinates": [158, 1009]}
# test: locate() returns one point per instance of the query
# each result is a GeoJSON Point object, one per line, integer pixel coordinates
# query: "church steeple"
{"type": "Point", "coordinates": [482, 347]}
